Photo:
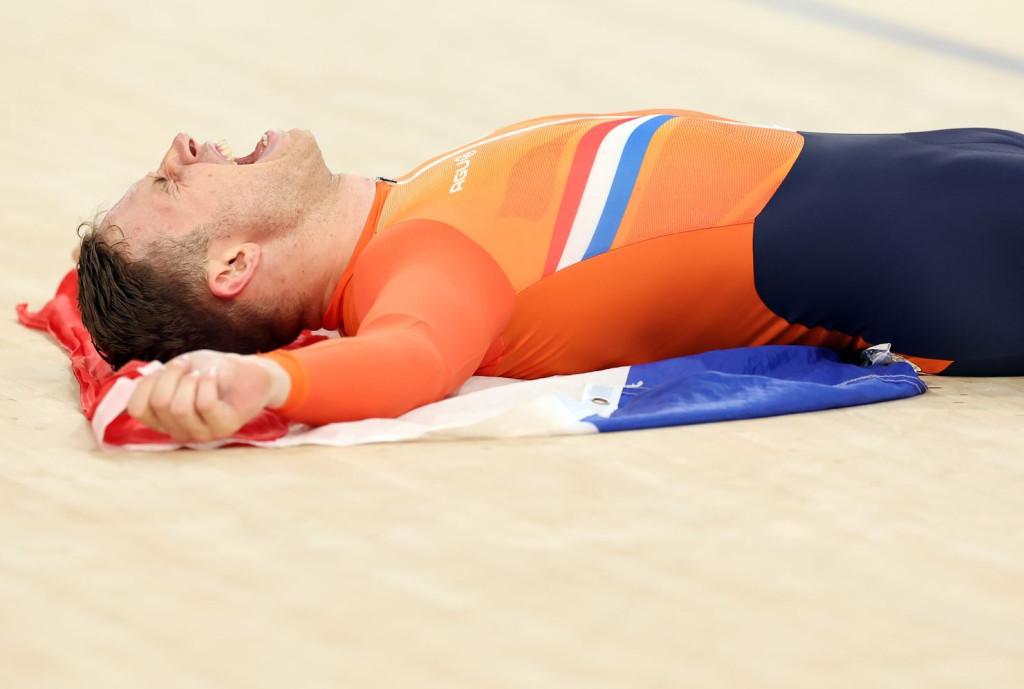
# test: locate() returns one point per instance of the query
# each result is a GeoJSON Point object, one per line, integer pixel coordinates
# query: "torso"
{"type": "Point", "coordinates": [626, 237]}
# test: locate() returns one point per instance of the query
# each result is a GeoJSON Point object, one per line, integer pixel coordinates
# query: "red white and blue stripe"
{"type": "Point", "coordinates": [601, 179]}
{"type": "Point", "coordinates": [714, 386]}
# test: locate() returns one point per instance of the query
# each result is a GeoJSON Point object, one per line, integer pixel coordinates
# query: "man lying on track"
{"type": "Point", "coordinates": [558, 245]}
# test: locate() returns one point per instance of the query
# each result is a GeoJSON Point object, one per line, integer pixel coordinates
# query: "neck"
{"type": "Point", "coordinates": [355, 199]}
{"type": "Point", "coordinates": [319, 254]}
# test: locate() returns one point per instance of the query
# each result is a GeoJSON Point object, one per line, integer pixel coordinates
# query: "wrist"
{"type": "Point", "coordinates": [280, 382]}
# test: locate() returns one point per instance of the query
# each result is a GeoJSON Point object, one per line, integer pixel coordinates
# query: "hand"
{"type": "Point", "coordinates": [206, 395]}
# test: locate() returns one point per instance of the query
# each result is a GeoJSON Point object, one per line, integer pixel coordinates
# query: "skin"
{"type": "Point", "coordinates": [283, 229]}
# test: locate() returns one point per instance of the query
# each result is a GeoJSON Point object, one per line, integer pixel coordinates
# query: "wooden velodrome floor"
{"type": "Point", "coordinates": [872, 547]}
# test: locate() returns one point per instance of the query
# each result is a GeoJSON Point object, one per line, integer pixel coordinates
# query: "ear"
{"type": "Point", "coordinates": [230, 272]}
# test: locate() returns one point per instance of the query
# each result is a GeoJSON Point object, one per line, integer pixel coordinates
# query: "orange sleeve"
{"type": "Point", "coordinates": [430, 302]}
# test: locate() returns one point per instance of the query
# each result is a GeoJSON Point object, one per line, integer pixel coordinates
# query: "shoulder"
{"type": "Point", "coordinates": [419, 241]}
{"type": "Point", "coordinates": [431, 254]}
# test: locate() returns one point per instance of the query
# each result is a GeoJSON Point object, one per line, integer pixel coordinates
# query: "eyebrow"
{"type": "Point", "coordinates": [158, 179]}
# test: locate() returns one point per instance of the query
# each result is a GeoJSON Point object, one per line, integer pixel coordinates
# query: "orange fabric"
{"type": "Point", "coordinates": [417, 336]}
{"type": "Point", "coordinates": [676, 295]}
{"type": "Point", "coordinates": [472, 263]}
{"type": "Point", "coordinates": [700, 172]}
{"type": "Point", "coordinates": [708, 174]}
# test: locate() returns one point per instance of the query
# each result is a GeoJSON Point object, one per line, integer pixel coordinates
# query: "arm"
{"type": "Point", "coordinates": [430, 303]}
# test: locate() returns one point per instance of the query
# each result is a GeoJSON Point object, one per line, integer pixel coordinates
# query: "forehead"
{"type": "Point", "coordinates": [123, 201]}
{"type": "Point", "coordinates": [142, 211]}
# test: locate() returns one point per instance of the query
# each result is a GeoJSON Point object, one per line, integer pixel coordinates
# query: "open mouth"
{"type": "Point", "coordinates": [266, 143]}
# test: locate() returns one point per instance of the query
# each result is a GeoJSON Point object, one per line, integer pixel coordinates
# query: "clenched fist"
{"type": "Point", "coordinates": [206, 395]}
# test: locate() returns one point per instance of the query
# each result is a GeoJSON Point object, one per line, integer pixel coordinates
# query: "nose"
{"type": "Point", "coordinates": [182, 152]}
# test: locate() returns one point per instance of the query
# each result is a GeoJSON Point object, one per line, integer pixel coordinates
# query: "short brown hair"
{"type": "Point", "coordinates": [159, 306]}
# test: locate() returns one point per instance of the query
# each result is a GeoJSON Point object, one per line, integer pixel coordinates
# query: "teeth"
{"type": "Point", "coordinates": [225, 150]}
{"type": "Point", "coordinates": [265, 139]}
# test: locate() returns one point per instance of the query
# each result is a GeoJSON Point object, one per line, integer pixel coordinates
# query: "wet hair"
{"type": "Point", "coordinates": [159, 306]}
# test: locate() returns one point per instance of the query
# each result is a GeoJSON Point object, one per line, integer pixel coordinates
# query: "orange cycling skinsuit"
{"type": "Point", "coordinates": [580, 242]}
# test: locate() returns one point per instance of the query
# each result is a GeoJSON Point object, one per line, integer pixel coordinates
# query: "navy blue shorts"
{"type": "Point", "coordinates": [915, 239]}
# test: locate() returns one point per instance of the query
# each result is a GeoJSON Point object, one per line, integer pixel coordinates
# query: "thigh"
{"type": "Point", "coordinates": [915, 239]}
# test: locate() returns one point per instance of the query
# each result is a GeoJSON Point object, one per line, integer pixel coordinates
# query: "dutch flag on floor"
{"type": "Point", "coordinates": [714, 386]}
